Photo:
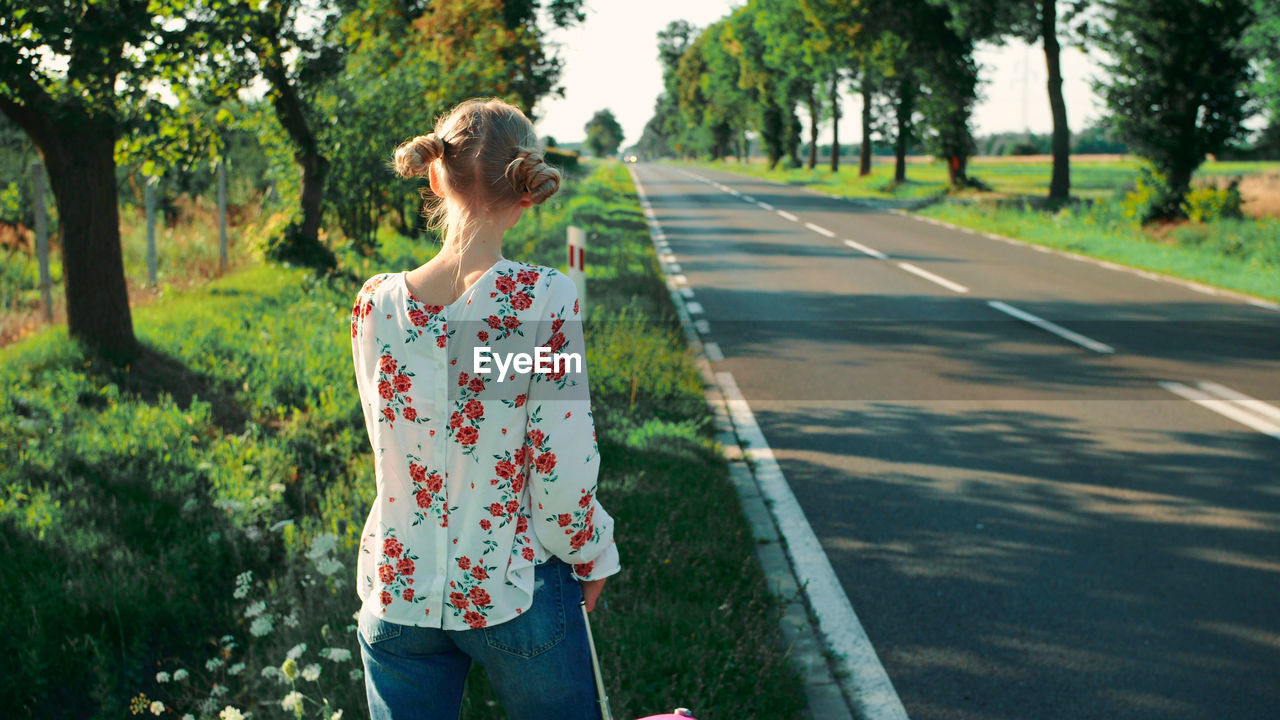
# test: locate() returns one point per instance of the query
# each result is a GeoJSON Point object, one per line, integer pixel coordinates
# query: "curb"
{"type": "Point", "coordinates": [825, 696]}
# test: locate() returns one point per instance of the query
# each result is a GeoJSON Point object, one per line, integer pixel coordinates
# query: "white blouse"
{"type": "Point", "coordinates": [480, 475]}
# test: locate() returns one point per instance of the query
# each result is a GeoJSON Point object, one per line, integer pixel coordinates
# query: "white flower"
{"type": "Point", "coordinates": [236, 669]}
{"type": "Point", "coordinates": [271, 671]}
{"type": "Point", "coordinates": [311, 672]}
{"type": "Point", "coordinates": [355, 615]}
{"type": "Point", "coordinates": [255, 609]}
{"type": "Point", "coordinates": [355, 674]}
{"type": "Point", "coordinates": [261, 626]}
{"type": "Point", "coordinates": [162, 677]}
{"type": "Point", "coordinates": [188, 716]}
{"type": "Point", "coordinates": [230, 713]}
{"type": "Point", "coordinates": [291, 701]}
{"type": "Point", "coordinates": [328, 566]}
{"type": "Point", "coordinates": [321, 545]}
{"type": "Point", "coordinates": [259, 500]}
{"type": "Point", "coordinates": [291, 620]}
{"type": "Point", "coordinates": [337, 715]}
{"type": "Point", "coordinates": [243, 581]}
{"type": "Point", "coordinates": [276, 487]}
{"type": "Point", "coordinates": [213, 664]}
{"type": "Point", "coordinates": [218, 690]}
{"type": "Point", "coordinates": [157, 707]}
{"type": "Point", "coordinates": [336, 654]}
{"type": "Point", "coordinates": [180, 674]}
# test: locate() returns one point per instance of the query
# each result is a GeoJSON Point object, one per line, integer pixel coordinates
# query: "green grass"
{"type": "Point", "coordinates": [131, 500]}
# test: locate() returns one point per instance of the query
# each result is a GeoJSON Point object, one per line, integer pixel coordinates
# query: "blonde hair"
{"type": "Point", "coordinates": [489, 157]}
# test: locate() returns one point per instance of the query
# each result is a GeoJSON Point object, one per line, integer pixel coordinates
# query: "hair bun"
{"type": "Point", "coordinates": [413, 157]}
{"type": "Point", "coordinates": [529, 172]}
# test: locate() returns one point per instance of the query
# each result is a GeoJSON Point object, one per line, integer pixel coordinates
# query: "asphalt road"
{"type": "Point", "coordinates": [1026, 526]}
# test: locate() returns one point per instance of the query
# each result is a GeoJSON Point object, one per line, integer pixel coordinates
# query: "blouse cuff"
{"type": "Point", "coordinates": [606, 564]}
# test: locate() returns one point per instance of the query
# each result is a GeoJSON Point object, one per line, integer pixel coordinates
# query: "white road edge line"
{"type": "Point", "coordinates": [1249, 403]}
{"type": "Point", "coordinates": [764, 205]}
{"type": "Point", "coordinates": [713, 351]}
{"type": "Point", "coordinates": [819, 229]}
{"type": "Point", "coordinates": [703, 327]}
{"type": "Point", "coordinates": [875, 698]}
{"type": "Point", "coordinates": [957, 287]}
{"type": "Point", "coordinates": [1054, 328]}
{"type": "Point", "coordinates": [1225, 408]}
{"type": "Point", "coordinates": [864, 249]}
{"type": "Point", "coordinates": [694, 307]}
{"type": "Point", "coordinates": [686, 292]}
{"type": "Point", "coordinates": [788, 216]}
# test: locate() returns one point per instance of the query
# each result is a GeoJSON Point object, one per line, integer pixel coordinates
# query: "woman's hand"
{"type": "Point", "coordinates": [591, 591]}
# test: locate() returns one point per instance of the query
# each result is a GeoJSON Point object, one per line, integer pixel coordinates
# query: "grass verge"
{"type": "Point", "coordinates": [182, 531]}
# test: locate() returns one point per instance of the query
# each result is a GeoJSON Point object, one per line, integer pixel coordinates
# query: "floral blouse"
{"type": "Point", "coordinates": [485, 466]}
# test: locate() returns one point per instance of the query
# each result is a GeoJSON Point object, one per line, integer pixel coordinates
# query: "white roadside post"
{"type": "Point", "coordinates": [578, 265]}
{"type": "Point", "coordinates": [151, 229]}
{"type": "Point", "coordinates": [222, 213]}
{"type": "Point", "coordinates": [42, 238]}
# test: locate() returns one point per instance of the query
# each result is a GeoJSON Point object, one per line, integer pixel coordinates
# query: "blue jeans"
{"type": "Point", "coordinates": [538, 663]}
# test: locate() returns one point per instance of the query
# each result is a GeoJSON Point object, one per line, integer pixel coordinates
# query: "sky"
{"type": "Point", "coordinates": [611, 61]}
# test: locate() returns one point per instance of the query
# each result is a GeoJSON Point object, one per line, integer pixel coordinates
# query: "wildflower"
{"type": "Point", "coordinates": [157, 707]}
{"type": "Point", "coordinates": [180, 674]}
{"type": "Point", "coordinates": [236, 669]}
{"type": "Point", "coordinates": [311, 672]}
{"type": "Point", "coordinates": [243, 580]}
{"type": "Point", "coordinates": [255, 609]}
{"type": "Point", "coordinates": [261, 626]}
{"type": "Point", "coordinates": [322, 545]}
{"type": "Point", "coordinates": [328, 566]}
{"type": "Point", "coordinates": [292, 701]}
{"type": "Point", "coordinates": [336, 654]}
{"type": "Point", "coordinates": [355, 674]}
{"type": "Point", "coordinates": [296, 651]}
{"type": "Point", "coordinates": [138, 703]}
{"type": "Point", "coordinates": [230, 713]}
{"type": "Point", "coordinates": [276, 487]}
{"type": "Point", "coordinates": [188, 716]}
{"type": "Point", "coordinates": [292, 621]}
{"type": "Point", "coordinates": [337, 715]}
{"type": "Point", "coordinates": [290, 668]}
{"type": "Point", "coordinates": [162, 677]}
{"type": "Point", "coordinates": [218, 690]}
{"type": "Point", "coordinates": [213, 664]}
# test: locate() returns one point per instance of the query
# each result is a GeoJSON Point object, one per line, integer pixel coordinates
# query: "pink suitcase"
{"type": "Point", "coordinates": [605, 713]}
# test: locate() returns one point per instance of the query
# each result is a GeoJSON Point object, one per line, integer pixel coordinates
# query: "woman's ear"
{"type": "Point", "coordinates": [525, 200]}
{"type": "Point", "coordinates": [433, 179]}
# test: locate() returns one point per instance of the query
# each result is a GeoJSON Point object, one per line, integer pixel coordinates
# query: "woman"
{"type": "Point", "coordinates": [486, 534]}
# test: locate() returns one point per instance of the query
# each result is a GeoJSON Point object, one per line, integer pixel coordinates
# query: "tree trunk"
{"type": "Point", "coordinates": [1060, 184]}
{"type": "Point", "coordinates": [835, 122]}
{"type": "Point", "coordinates": [813, 128]}
{"type": "Point", "coordinates": [864, 157]}
{"type": "Point", "coordinates": [906, 106]}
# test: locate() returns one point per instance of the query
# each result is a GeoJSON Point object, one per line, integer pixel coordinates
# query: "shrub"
{"type": "Point", "coordinates": [1208, 203]}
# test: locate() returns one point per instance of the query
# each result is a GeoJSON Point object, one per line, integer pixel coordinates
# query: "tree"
{"type": "Point", "coordinates": [1175, 83]}
{"type": "Point", "coordinates": [1262, 39]}
{"type": "Point", "coordinates": [604, 134]}
{"type": "Point", "coordinates": [74, 78]}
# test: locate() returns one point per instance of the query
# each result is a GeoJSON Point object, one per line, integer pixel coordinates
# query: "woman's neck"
{"type": "Point", "coordinates": [480, 248]}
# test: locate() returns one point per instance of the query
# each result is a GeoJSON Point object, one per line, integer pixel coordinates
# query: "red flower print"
{"type": "Point", "coordinates": [578, 540]}
{"type": "Point", "coordinates": [527, 277]}
{"type": "Point", "coordinates": [385, 597]}
{"type": "Point", "coordinates": [584, 569]}
{"type": "Point", "coordinates": [434, 309]}
{"type": "Point", "coordinates": [424, 498]}
{"type": "Point", "coordinates": [558, 374]}
{"type": "Point", "coordinates": [520, 400]}
{"type": "Point", "coordinates": [474, 619]}
{"type": "Point", "coordinates": [584, 501]}
{"type": "Point", "coordinates": [564, 519]}
{"type": "Point", "coordinates": [505, 284]}
{"type": "Point", "coordinates": [511, 322]}
{"type": "Point", "coordinates": [527, 553]}
{"type": "Point", "coordinates": [391, 547]}
{"type": "Point", "coordinates": [556, 341]}
{"type": "Point", "coordinates": [478, 572]}
{"type": "Point", "coordinates": [512, 506]}
{"type": "Point", "coordinates": [495, 509]}
{"type": "Point", "coordinates": [405, 566]}
{"type": "Point", "coordinates": [462, 377]}
{"type": "Point", "coordinates": [479, 597]}
{"type": "Point", "coordinates": [407, 594]}
{"type": "Point", "coordinates": [557, 324]}
{"type": "Point", "coordinates": [417, 472]}
{"type": "Point", "coordinates": [482, 336]}
{"type": "Point", "coordinates": [505, 469]}
{"type": "Point", "coordinates": [521, 301]}
{"type": "Point", "coordinates": [385, 390]}
{"type": "Point", "coordinates": [386, 574]}
{"type": "Point", "coordinates": [485, 524]}
{"type": "Point", "coordinates": [387, 364]}
{"type": "Point", "coordinates": [590, 512]}
{"type": "Point", "coordinates": [455, 421]}
{"type": "Point", "coordinates": [417, 317]}
{"type": "Point", "coordinates": [546, 462]}
{"type": "Point", "coordinates": [495, 322]}
{"type": "Point", "coordinates": [522, 524]}
{"type": "Point", "coordinates": [434, 482]}
{"type": "Point", "coordinates": [474, 409]}
{"type": "Point", "coordinates": [409, 414]}
{"type": "Point", "coordinates": [468, 436]}
{"type": "Point", "coordinates": [402, 383]}
{"type": "Point", "coordinates": [575, 306]}
{"type": "Point", "coordinates": [388, 413]}
{"type": "Point", "coordinates": [517, 483]}
{"type": "Point", "coordinates": [536, 437]}
{"type": "Point", "coordinates": [522, 455]}
{"type": "Point", "coordinates": [441, 340]}
{"type": "Point", "coordinates": [477, 385]}
{"type": "Point", "coordinates": [464, 562]}
{"type": "Point", "coordinates": [459, 600]}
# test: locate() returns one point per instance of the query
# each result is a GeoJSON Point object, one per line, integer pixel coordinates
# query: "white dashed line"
{"type": "Point", "coordinates": [864, 249]}
{"type": "Point", "coordinates": [1054, 328]}
{"type": "Point", "coordinates": [765, 206]}
{"type": "Point", "coordinates": [787, 216]}
{"type": "Point", "coordinates": [1249, 403]}
{"type": "Point", "coordinates": [748, 198]}
{"type": "Point", "coordinates": [680, 279]}
{"type": "Point", "coordinates": [1232, 409]}
{"type": "Point", "coordinates": [694, 307]}
{"type": "Point", "coordinates": [933, 278]}
{"type": "Point", "coordinates": [702, 326]}
{"type": "Point", "coordinates": [819, 229]}
{"type": "Point", "coordinates": [686, 292]}
{"type": "Point", "coordinates": [713, 351]}
{"type": "Point", "coordinates": [674, 268]}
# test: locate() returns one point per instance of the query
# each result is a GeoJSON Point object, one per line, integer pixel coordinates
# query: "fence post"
{"type": "Point", "coordinates": [578, 265]}
{"type": "Point", "coordinates": [151, 230]}
{"type": "Point", "coordinates": [222, 213]}
{"type": "Point", "coordinates": [42, 238]}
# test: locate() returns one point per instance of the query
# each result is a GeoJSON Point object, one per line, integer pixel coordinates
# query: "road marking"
{"type": "Point", "coordinates": [713, 351]}
{"type": "Point", "coordinates": [702, 326]}
{"type": "Point", "coordinates": [748, 198]}
{"type": "Point", "coordinates": [686, 292]}
{"type": "Point", "coordinates": [819, 229]}
{"type": "Point", "coordinates": [694, 308]}
{"type": "Point", "coordinates": [1226, 408]}
{"type": "Point", "coordinates": [788, 216]}
{"type": "Point", "coordinates": [680, 279]}
{"type": "Point", "coordinates": [933, 278]}
{"type": "Point", "coordinates": [863, 248]}
{"type": "Point", "coordinates": [1264, 304]}
{"type": "Point", "coordinates": [875, 697]}
{"type": "Point", "coordinates": [674, 267]}
{"type": "Point", "coordinates": [1249, 403]}
{"type": "Point", "coordinates": [1054, 328]}
{"type": "Point", "coordinates": [765, 206]}
{"type": "Point", "coordinates": [667, 258]}
{"type": "Point", "coordinates": [733, 192]}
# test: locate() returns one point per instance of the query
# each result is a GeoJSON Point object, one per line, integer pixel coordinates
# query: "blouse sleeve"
{"type": "Point", "coordinates": [560, 440]}
{"type": "Point", "coordinates": [360, 357]}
